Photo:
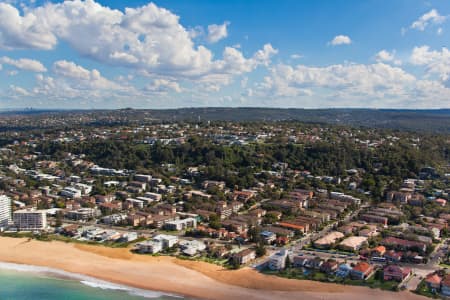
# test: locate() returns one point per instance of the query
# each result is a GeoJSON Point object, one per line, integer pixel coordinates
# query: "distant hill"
{"type": "Point", "coordinates": [415, 120]}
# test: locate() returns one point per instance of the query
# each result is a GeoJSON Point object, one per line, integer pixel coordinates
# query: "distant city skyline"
{"type": "Point", "coordinates": [170, 54]}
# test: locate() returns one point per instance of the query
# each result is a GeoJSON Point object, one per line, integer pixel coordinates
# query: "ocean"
{"type": "Point", "coordinates": [22, 282]}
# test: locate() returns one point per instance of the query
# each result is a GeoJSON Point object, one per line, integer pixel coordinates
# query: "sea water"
{"type": "Point", "coordinates": [21, 282]}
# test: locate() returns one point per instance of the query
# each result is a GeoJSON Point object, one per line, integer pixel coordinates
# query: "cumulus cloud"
{"type": "Point", "coordinates": [24, 64]}
{"type": "Point", "coordinates": [161, 85]}
{"type": "Point", "coordinates": [340, 40]}
{"type": "Point", "coordinates": [435, 62]}
{"type": "Point", "coordinates": [356, 85]}
{"type": "Point", "coordinates": [430, 18]}
{"type": "Point", "coordinates": [353, 78]}
{"type": "Point", "coordinates": [386, 56]}
{"type": "Point", "coordinates": [18, 91]}
{"type": "Point", "coordinates": [147, 38]}
{"type": "Point", "coordinates": [23, 32]}
{"type": "Point", "coordinates": [217, 32]}
{"type": "Point", "coordinates": [81, 76]}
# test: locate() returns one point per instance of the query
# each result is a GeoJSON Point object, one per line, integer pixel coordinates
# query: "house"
{"type": "Point", "coordinates": [282, 241]}
{"type": "Point", "coordinates": [395, 272]}
{"type": "Point", "coordinates": [401, 197]}
{"type": "Point", "coordinates": [154, 196]}
{"type": "Point", "coordinates": [433, 282]}
{"type": "Point", "coordinates": [378, 251]}
{"type": "Point", "coordinates": [167, 241]}
{"type": "Point", "coordinates": [343, 270]}
{"type": "Point", "coordinates": [301, 260]}
{"type": "Point", "coordinates": [259, 213]}
{"type": "Point", "coordinates": [362, 270]}
{"type": "Point", "coordinates": [149, 247]}
{"type": "Point", "coordinates": [328, 240]}
{"type": "Point", "coordinates": [330, 266]}
{"type": "Point", "coordinates": [143, 178]}
{"type": "Point", "coordinates": [243, 196]}
{"type": "Point", "coordinates": [278, 260]}
{"type": "Point", "coordinates": [393, 256]}
{"type": "Point", "coordinates": [404, 245]}
{"type": "Point", "coordinates": [369, 232]}
{"type": "Point", "coordinates": [71, 192]}
{"type": "Point", "coordinates": [314, 263]}
{"type": "Point", "coordinates": [353, 243]}
{"type": "Point", "coordinates": [374, 219]}
{"type": "Point", "coordinates": [441, 202]}
{"type": "Point", "coordinates": [268, 237]}
{"type": "Point", "coordinates": [293, 227]}
{"type": "Point", "coordinates": [207, 184]}
{"type": "Point", "coordinates": [191, 248]}
{"type": "Point", "coordinates": [445, 285]}
{"type": "Point", "coordinates": [345, 229]}
{"type": "Point", "coordinates": [244, 256]}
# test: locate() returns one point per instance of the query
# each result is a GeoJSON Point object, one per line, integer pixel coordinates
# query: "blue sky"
{"type": "Point", "coordinates": [178, 53]}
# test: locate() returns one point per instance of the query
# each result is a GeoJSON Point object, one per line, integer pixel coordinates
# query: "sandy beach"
{"type": "Point", "coordinates": [189, 278]}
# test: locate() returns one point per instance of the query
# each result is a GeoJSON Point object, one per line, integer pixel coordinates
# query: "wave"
{"type": "Point", "coordinates": [84, 279]}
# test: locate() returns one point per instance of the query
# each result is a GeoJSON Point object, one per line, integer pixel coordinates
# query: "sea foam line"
{"type": "Point", "coordinates": [84, 279]}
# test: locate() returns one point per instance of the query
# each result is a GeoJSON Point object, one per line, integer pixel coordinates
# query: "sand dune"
{"type": "Point", "coordinates": [193, 279]}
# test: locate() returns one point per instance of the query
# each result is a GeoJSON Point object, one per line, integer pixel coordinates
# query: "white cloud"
{"type": "Point", "coordinates": [217, 32]}
{"type": "Point", "coordinates": [24, 64]}
{"type": "Point", "coordinates": [340, 40]}
{"type": "Point", "coordinates": [435, 62]}
{"type": "Point", "coordinates": [147, 38]}
{"type": "Point", "coordinates": [386, 56]}
{"type": "Point", "coordinates": [18, 91]}
{"type": "Point", "coordinates": [163, 86]}
{"type": "Point", "coordinates": [429, 18]}
{"type": "Point", "coordinates": [82, 77]}
{"type": "Point", "coordinates": [355, 85]}
{"type": "Point", "coordinates": [71, 70]}
{"type": "Point", "coordinates": [23, 32]}
{"type": "Point", "coordinates": [296, 56]}
{"type": "Point", "coordinates": [439, 31]}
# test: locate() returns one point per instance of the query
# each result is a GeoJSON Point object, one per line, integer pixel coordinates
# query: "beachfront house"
{"type": "Point", "coordinates": [395, 272]}
{"type": "Point", "coordinates": [343, 270]}
{"type": "Point", "coordinates": [362, 270]}
{"type": "Point", "coordinates": [278, 260]}
{"type": "Point", "coordinates": [244, 256]}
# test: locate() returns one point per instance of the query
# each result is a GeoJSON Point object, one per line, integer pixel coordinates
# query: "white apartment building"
{"type": "Point", "coordinates": [181, 224]}
{"type": "Point", "coordinates": [278, 260]}
{"type": "Point", "coordinates": [30, 219]}
{"type": "Point", "coordinates": [5, 210]}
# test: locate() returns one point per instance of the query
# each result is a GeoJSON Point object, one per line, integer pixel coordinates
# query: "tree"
{"type": "Point", "coordinates": [59, 217]}
{"type": "Point", "coordinates": [214, 221]}
{"type": "Point", "coordinates": [288, 262]}
{"type": "Point", "coordinates": [260, 249]}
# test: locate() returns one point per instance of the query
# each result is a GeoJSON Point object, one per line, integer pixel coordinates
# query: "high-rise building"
{"type": "Point", "coordinates": [30, 219]}
{"type": "Point", "coordinates": [5, 210]}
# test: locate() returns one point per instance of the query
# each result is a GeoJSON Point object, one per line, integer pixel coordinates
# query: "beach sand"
{"type": "Point", "coordinates": [189, 278]}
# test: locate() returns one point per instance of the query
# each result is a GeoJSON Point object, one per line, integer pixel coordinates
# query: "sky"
{"type": "Point", "coordinates": [228, 53]}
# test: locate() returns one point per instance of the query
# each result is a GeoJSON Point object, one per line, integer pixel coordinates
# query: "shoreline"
{"type": "Point", "coordinates": [174, 277]}
{"type": "Point", "coordinates": [94, 282]}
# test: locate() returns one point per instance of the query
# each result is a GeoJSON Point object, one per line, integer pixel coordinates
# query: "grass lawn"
{"type": "Point", "coordinates": [423, 290]}
{"type": "Point", "coordinates": [372, 282]}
